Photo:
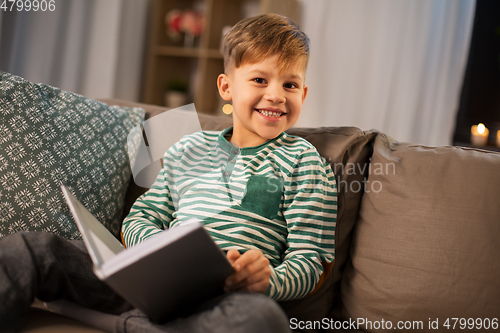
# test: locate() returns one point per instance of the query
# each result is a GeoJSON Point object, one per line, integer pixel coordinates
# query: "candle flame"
{"type": "Point", "coordinates": [481, 128]}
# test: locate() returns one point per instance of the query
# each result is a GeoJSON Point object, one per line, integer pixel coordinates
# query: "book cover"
{"type": "Point", "coordinates": [164, 276]}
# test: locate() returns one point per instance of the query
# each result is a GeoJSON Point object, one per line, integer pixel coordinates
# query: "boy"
{"type": "Point", "coordinates": [265, 59]}
{"type": "Point", "coordinates": [266, 198]}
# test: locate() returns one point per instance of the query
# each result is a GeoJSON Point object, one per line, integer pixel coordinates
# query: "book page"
{"type": "Point", "coordinates": [152, 244]}
{"type": "Point", "coordinates": [100, 243]}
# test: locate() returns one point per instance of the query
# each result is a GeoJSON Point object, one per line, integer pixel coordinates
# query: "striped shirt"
{"type": "Point", "coordinates": [279, 197]}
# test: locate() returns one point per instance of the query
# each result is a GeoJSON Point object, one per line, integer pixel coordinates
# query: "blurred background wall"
{"type": "Point", "coordinates": [396, 66]}
{"type": "Point", "coordinates": [92, 47]}
{"type": "Point", "coordinates": [392, 65]}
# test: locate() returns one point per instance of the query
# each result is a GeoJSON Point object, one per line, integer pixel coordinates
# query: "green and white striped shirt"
{"type": "Point", "coordinates": [279, 197]}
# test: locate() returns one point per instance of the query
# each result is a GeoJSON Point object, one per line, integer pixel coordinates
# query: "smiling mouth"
{"type": "Point", "coordinates": [273, 114]}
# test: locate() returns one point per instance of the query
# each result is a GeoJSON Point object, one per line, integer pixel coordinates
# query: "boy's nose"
{"type": "Point", "coordinates": [275, 94]}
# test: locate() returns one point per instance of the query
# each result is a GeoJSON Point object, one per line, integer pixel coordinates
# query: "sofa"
{"type": "Point", "coordinates": [417, 235]}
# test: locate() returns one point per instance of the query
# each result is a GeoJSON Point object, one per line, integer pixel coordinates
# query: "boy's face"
{"type": "Point", "coordinates": [265, 101]}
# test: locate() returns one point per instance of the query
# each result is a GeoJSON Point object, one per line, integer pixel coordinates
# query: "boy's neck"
{"type": "Point", "coordinates": [241, 141]}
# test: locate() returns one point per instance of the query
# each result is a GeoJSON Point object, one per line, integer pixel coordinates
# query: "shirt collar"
{"type": "Point", "coordinates": [228, 147]}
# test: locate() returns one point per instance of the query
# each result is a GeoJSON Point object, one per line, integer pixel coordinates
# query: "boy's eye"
{"type": "Point", "coordinates": [290, 85]}
{"type": "Point", "coordinates": [259, 80]}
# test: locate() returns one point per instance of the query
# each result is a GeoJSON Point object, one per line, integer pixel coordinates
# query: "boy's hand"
{"type": "Point", "coordinates": [252, 271]}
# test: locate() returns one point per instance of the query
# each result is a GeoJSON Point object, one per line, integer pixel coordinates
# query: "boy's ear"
{"type": "Point", "coordinates": [304, 93]}
{"type": "Point", "coordinates": [223, 85]}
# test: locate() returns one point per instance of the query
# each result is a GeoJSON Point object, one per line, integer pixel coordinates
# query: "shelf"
{"type": "Point", "coordinates": [177, 51]}
{"type": "Point", "coordinates": [199, 67]}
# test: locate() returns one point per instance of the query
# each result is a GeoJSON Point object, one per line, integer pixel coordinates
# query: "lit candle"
{"type": "Point", "coordinates": [498, 138]}
{"type": "Point", "coordinates": [479, 135]}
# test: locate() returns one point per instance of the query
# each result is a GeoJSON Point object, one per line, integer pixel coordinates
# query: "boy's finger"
{"type": "Point", "coordinates": [250, 269]}
{"type": "Point", "coordinates": [263, 275]}
{"type": "Point", "coordinates": [232, 255]}
{"type": "Point", "coordinates": [241, 279]}
{"type": "Point", "coordinates": [256, 285]}
{"type": "Point", "coordinates": [247, 258]}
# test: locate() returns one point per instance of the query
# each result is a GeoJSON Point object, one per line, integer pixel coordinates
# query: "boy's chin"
{"type": "Point", "coordinates": [271, 133]}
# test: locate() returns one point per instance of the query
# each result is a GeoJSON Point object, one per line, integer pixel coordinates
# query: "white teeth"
{"type": "Point", "coordinates": [270, 113]}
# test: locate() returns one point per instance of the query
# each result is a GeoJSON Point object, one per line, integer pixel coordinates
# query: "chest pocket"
{"type": "Point", "coordinates": [263, 196]}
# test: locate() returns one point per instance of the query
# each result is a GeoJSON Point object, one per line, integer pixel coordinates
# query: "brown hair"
{"type": "Point", "coordinates": [255, 38]}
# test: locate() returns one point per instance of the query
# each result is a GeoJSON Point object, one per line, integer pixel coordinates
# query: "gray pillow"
{"type": "Point", "coordinates": [426, 243]}
{"type": "Point", "coordinates": [48, 137]}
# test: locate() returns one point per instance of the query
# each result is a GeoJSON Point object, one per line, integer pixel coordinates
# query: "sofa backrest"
{"type": "Point", "coordinates": [418, 240]}
{"type": "Point", "coordinates": [348, 151]}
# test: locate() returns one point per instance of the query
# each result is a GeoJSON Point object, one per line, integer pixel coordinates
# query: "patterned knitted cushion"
{"type": "Point", "coordinates": [48, 137]}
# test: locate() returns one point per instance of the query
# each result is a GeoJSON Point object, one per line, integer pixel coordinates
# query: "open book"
{"type": "Point", "coordinates": [163, 276]}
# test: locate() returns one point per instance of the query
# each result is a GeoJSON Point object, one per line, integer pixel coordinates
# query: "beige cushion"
{"type": "Point", "coordinates": [426, 244]}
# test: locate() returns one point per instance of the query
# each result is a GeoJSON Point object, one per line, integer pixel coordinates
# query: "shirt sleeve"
{"type": "Point", "coordinates": [153, 211]}
{"type": "Point", "coordinates": [310, 211]}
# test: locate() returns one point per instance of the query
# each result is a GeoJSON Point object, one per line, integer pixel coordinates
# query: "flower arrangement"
{"type": "Point", "coordinates": [189, 22]}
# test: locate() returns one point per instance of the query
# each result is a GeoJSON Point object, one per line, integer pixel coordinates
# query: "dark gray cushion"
{"type": "Point", "coordinates": [426, 244]}
{"type": "Point", "coordinates": [348, 150]}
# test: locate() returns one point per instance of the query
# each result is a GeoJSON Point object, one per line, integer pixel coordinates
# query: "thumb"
{"type": "Point", "coordinates": [232, 255]}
